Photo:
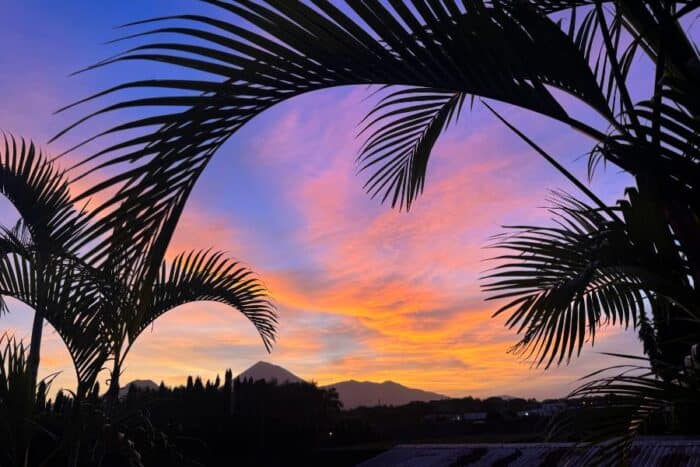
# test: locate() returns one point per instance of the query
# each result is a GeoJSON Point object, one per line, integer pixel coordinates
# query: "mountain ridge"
{"type": "Point", "coordinates": [352, 393]}
{"type": "Point", "coordinates": [269, 372]}
{"type": "Point", "coordinates": [140, 384]}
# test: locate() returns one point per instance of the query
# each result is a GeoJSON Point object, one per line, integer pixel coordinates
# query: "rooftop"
{"type": "Point", "coordinates": [645, 452]}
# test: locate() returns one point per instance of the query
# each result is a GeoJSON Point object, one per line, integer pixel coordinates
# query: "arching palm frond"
{"type": "Point", "coordinates": [39, 262]}
{"type": "Point", "coordinates": [560, 283]}
{"type": "Point", "coordinates": [501, 50]}
{"type": "Point", "coordinates": [40, 194]}
{"type": "Point", "coordinates": [68, 296]}
{"type": "Point", "coordinates": [210, 276]}
{"type": "Point", "coordinates": [191, 277]}
{"type": "Point", "coordinates": [82, 327]}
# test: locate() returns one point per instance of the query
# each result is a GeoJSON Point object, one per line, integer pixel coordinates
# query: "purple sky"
{"type": "Point", "coordinates": [364, 292]}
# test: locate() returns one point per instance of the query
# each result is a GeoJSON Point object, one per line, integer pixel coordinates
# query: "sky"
{"type": "Point", "coordinates": [364, 292]}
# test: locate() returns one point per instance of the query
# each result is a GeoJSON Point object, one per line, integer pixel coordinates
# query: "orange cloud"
{"type": "Point", "coordinates": [365, 292]}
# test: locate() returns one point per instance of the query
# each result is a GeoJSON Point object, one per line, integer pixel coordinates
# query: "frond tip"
{"type": "Point", "coordinates": [404, 126]}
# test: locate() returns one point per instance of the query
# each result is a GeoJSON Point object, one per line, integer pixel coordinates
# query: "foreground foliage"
{"type": "Point", "coordinates": [21, 402]}
{"type": "Point", "coordinates": [636, 263]}
{"type": "Point", "coordinates": [194, 424]}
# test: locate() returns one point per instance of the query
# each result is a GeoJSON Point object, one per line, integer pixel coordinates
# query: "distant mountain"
{"type": "Point", "coordinates": [140, 384]}
{"type": "Point", "coordinates": [364, 393]}
{"type": "Point", "coordinates": [352, 393]}
{"type": "Point", "coordinates": [269, 372]}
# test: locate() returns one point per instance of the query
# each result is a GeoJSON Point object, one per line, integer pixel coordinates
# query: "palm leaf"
{"type": "Point", "coordinates": [561, 282]}
{"type": "Point", "coordinates": [38, 257]}
{"type": "Point", "coordinates": [66, 294]}
{"type": "Point", "coordinates": [403, 129]}
{"type": "Point", "coordinates": [614, 410]}
{"type": "Point", "coordinates": [209, 276]}
{"type": "Point", "coordinates": [40, 194]}
{"type": "Point", "coordinates": [504, 51]}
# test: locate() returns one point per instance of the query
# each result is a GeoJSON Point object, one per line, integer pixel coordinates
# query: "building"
{"type": "Point", "coordinates": [546, 409]}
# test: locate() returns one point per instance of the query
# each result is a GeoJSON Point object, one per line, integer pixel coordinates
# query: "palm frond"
{"type": "Point", "coordinates": [506, 51]}
{"type": "Point", "coordinates": [665, 143]}
{"type": "Point", "coordinates": [665, 41]}
{"type": "Point", "coordinates": [65, 294]}
{"type": "Point", "coordinates": [38, 256]}
{"type": "Point", "coordinates": [40, 193]}
{"type": "Point", "coordinates": [561, 282]}
{"type": "Point", "coordinates": [599, 37]}
{"type": "Point", "coordinates": [612, 410]}
{"type": "Point", "coordinates": [403, 128]}
{"type": "Point", "coordinates": [210, 276]}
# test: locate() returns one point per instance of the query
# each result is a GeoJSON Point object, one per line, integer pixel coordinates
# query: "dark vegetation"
{"type": "Point", "coordinates": [302, 424]}
{"type": "Point", "coordinates": [273, 424]}
{"type": "Point", "coordinates": [99, 277]}
{"type": "Point", "coordinates": [200, 423]}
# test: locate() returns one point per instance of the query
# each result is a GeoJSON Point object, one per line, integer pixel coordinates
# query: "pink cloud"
{"type": "Point", "coordinates": [380, 294]}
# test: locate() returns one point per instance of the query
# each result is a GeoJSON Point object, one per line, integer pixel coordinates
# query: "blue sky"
{"type": "Point", "coordinates": [364, 292]}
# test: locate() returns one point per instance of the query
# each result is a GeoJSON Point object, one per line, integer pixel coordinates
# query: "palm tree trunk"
{"type": "Point", "coordinates": [113, 391]}
{"type": "Point", "coordinates": [668, 224]}
{"type": "Point", "coordinates": [74, 454]}
{"type": "Point", "coordinates": [38, 325]}
{"type": "Point", "coordinates": [667, 36]}
{"type": "Point", "coordinates": [35, 346]}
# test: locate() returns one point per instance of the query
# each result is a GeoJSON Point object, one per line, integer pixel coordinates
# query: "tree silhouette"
{"type": "Point", "coordinates": [38, 260]}
{"type": "Point", "coordinates": [440, 53]}
{"type": "Point", "coordinates": [195, 276]}
{"type": "Point", "coordinates": [99, 310]}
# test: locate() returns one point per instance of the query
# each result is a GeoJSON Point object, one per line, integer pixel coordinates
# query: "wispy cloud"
{"type": "Point", "coordinates": [364, 291]}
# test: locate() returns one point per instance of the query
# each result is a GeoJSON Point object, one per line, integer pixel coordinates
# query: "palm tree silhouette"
{"type": "Point", "coordinates": [442, 55]}
{"type": "Point", "coordinates": [42, 252]}
{"type": "Point", "coordinates": [99, 308]}
{"type": "Point", "coordinates": [38, 257]}
{"type": "Point", "coordinates": [193, 276]}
